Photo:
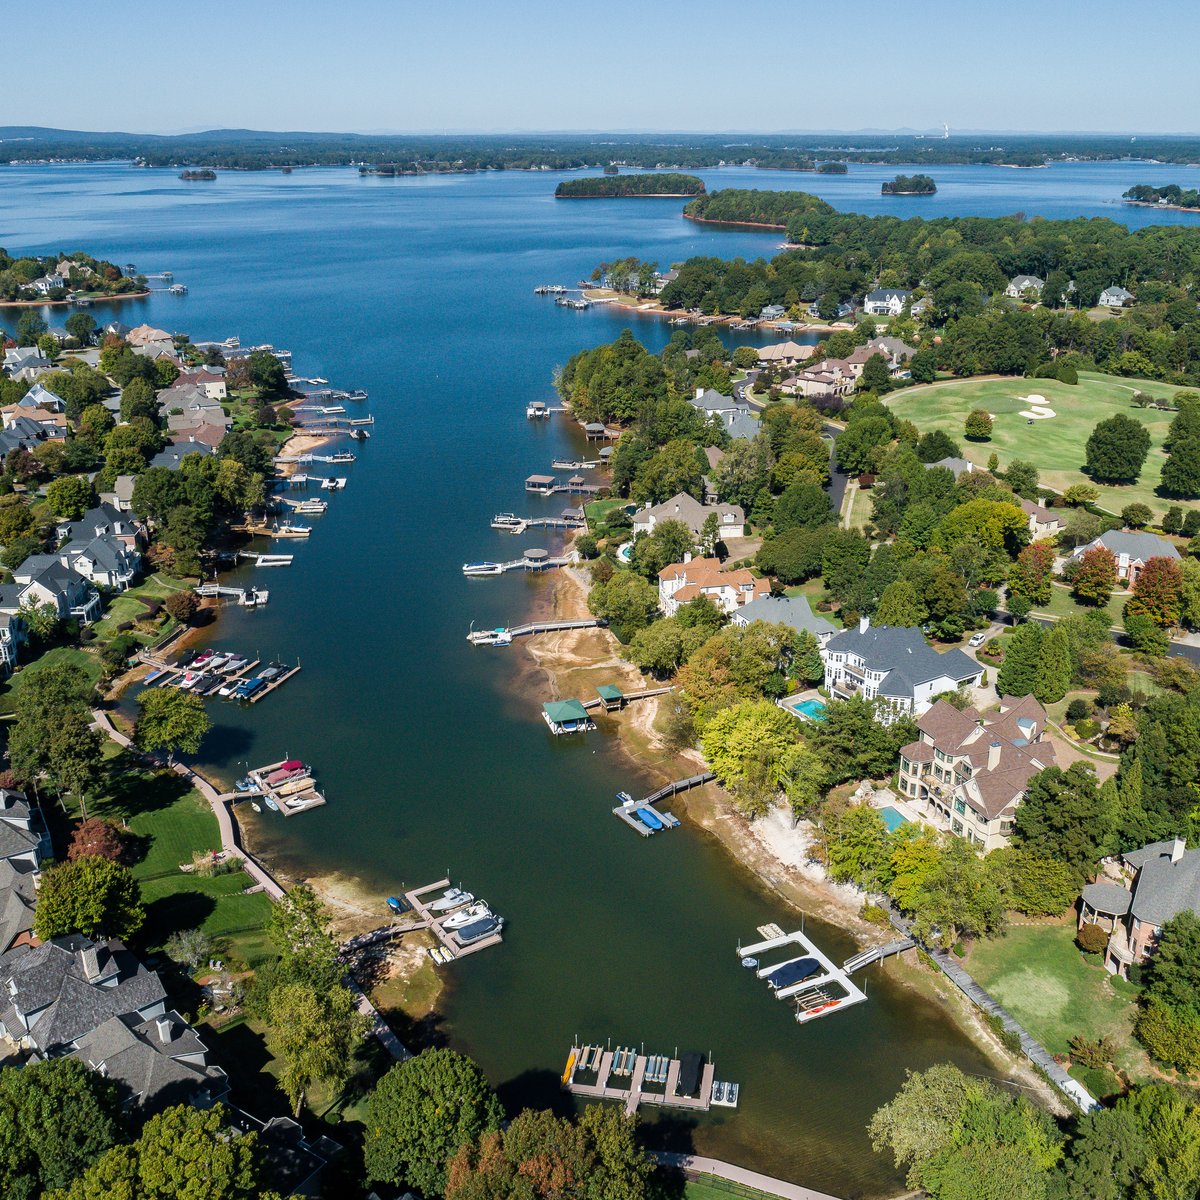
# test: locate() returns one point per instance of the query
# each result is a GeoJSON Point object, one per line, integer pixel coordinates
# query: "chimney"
{"type": "Point", "coordinates": [1178, 846]}
{"type": "Point", "coordinates": [166, 1029]}
{"type": "Point", "coordinates": [993, 756]}
{"type": "Point", "coordinates": [864, 623]}
{"type": "Point", "coordinates": [90, 957]}
{"type": "Point", "coordinates": [699, 392]}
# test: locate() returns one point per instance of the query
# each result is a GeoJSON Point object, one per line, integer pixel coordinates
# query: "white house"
{"type": "Point", "coordinates": [1043, 522]}
{"type": "Point", "coordinates": [731, 520]}
{"type": "Point", "coordinates": [728, 590]}
{"type": "Point", "coordinates": [105, 560]}
{"type": "Point", "coordinates": [1115, 297]}
{"type": "Point", "coordinates": [895, 666]}
{"type": "Point", "coordinates": [48, 283]}
{"type": "Point", "coordinates": [1021, 286]}
{"type": "Point", "coordinates": [886, 302]}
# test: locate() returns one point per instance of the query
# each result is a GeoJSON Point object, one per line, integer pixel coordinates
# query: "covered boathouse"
{"type": "Point", "coordinates": [567, 716]}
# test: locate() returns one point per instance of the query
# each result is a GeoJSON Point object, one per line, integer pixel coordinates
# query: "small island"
{"type": "Point", "coordinates": [909, 185]}
{"type": "Point", "coordinates": [832, 168]}
{"type": "Point", "coordinates": [593, 187]}
{"type": "Point", "coordinates": [201, 173]}
{"type": "Point", "coordinates": [1170, 195]}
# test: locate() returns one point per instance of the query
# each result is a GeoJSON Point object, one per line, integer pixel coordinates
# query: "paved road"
{"type": "Point", "coordinates": [837, 479]}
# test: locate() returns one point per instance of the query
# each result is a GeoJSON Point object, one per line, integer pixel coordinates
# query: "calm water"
{"type": "Point", "coordinates": [434, 754]}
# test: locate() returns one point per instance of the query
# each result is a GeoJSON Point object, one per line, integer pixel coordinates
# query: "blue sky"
{"type": "Point", "coordinates": [399, 65]}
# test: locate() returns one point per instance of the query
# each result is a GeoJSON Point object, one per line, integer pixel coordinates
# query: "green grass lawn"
{"type": "Point", "coordinates": [1039, 974]}
{"type": "Point", "coordinates": [128, 606]}
{"type": "Point", "coordinates": [1063, 604]}
{"type": "Point", "coordinates": [708, 1187]}
{"type": "Point", "coordinates": [59, 654]}
{"type": "Point", "coordinates": [1055, 445]}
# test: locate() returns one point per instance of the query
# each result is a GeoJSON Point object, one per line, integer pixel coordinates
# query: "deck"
{"type": "Point", "coordinates": [484, 637]}
{"type": "Point", "coordinates": [812, 994]}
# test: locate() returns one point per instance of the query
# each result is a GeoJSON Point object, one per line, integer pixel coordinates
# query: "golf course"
{"type": "Point", "coordinates": [1047, 423]}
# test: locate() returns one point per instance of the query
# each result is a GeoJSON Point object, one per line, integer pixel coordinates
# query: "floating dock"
{"type": "Point", "coordinates": [826, 988]}
{"type": "Point", "coordinates": [246, 597]}
{"type": "Point", "coordinates": [292, 796]}
{"type": "Point", "coordinates": [629, 811]}
{"type": "Point", "coordinates": [503, 635]}
{"type": "Point", "coordinates": [262, 693]}
{"type": "Point", "coordinates": [632, 1079]}
{"type": "Point", "coordinates": [548, 485]}
{"type": "Point", "coordinates": [532, 560]}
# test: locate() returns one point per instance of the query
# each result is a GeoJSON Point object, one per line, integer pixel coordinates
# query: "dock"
{"type": "Point", "coordinates": [246, 597]}
{"type": "Point", "coordinates": [262, 693]}
{"type": "Point", "coordinates": [631, 1079]}
{"type": "Point", "coordinates": [341, 456]}
{"type": "Point", "coordinates": [548, 485]}
{"type": "Point", "coordinates": [502, 636]}
{"type": "Point", "coordinates": [312, 507]}
{"type": "Point", "coordinates": [532, 560]}
{"type": "Point", "coordinates": [292, 796]}
{"type": "Point", "coordinates": [266, 560]}
{"type": "Point", "coordinates": [817, 993]}
{"type": "Point", "coordinates": [510, 523]}
{"type": "Point", "coordinates": [679, 785]}
{"type": "Point", "coordinates": [426, 919]}
{"type": "Point", "coordinates": [628, 812]}
{"type": "Point", "coordinates": [567, 464]}
{"type": "Point", "coordinates": [876, 954]}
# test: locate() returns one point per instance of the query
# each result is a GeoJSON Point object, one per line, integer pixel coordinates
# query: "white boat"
{"type": "Point", "coordinates": [333, 484]}
{"type": "Point", "coordinates": [473, 912]}
{"type": "Point", "coordinates": [254, 804]}
{"type": "Point", "coordinates": [451, 898]}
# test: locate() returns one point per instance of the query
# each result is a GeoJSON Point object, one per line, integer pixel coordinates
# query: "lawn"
{"type": "Point", "coordinates": [1039, 974]}
{"type": "Point", "coordinates": [1063, 604]}
{"type": "Point", "coordinates": [128, 606]}
{"type": "Point", "coordinates": [59, 654]}
{"type": "Point", "coordinates": [1055, 444]}
{"type": "Point", "coordinates": [708, 1187]}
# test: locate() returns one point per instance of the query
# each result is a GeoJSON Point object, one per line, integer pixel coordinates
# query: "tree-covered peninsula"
{"type": "Point", "coordinates": [747, 206]}
{"type": "Point", "coordinates": [1170, 195]}
{"type": "Point", "coordinates": [909, 185]}
{"type": "Point", "coordinates": [596, 187]}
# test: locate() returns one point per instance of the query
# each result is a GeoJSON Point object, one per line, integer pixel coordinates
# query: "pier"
{"type": "Point", "coordinates": [502, 636]}
{"type": "Point", "coordinates": [629, 811]}
{"type": "Point", "coordinates": [342, 456]}
{"type": "Point", "coordinates": [876, 954]}
{"type": "Point", "coordinates": [510, 523]}
{"type": "Point", "coordinates": [548, 485]}
{"type": "Point", "coordinates": [266, 560]}
{"type": "Point", "coordinates": [423, 918]}
{"type": "Point", "coordinates": [679, 785]}
{"type": "Point", "coordinates": [263, 692]}
{"type": "Point", "coordinates": [632, 1079]}
{"type": "Point", "coordinates": [290, 796]}
{"type": "Point", "coordinates": [564, 464]}
{"type": "Point", "coordinates": [818, 980]}
{"type": "Point", "coordinates": [533, 560]}
{"type": "Point", "coordinates": [246, 597]}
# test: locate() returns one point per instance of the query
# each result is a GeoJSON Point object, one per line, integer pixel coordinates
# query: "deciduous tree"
{"type": "Point", "coordinates": [93, 896]}
{"type": "Point", "coordinates": [1094, 576]}
{"type": "Point", "coordinates": [170, 720]}
{"type": "Point", "coordinates": [1117, 449]}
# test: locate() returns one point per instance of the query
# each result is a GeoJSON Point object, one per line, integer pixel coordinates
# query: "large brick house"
{"type": "Point", "coordinates": [967, 773]}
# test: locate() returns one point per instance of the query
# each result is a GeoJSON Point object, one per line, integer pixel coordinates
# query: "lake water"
{"type": "Point", "coordinates": [434, 754]}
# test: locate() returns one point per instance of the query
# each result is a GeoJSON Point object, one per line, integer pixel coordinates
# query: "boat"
{"type": "Point", "coordinates": [482, 568]}
{"type": "Point", "coordinates": [473, 912]}
{"type": "Point", "coordinates": [647, 818]}
{"type": "Point", "coordinates": [333, 485]}
{"type": "Point", "coordinates": [451, 898]}
{"type": "Point", "coordinates": [246, 784]}
{"type": "Point", "coordinates": [749, 963]}
{"type": "Point", "coordinates": [397, 905]}
{"type": "Point", "coordinates": [792, 972]}
{"type": "Point", "coordinates": [478, 930]}
{"type": "Point", "coordinates": [731, 1093]}
{"type": "Point", "coordinates": [569, 1068]}
{"type": "Point", "coordinates": [288, 769]}
{"type": "Point", "coordinates": [152, 677]}
{"type": "Point", "coordinates": [359, 435]}
{"type": "Point", "coordinates": [270, 804]}
{"type": "Point", "coordinates": [624, 797]}
{"type": "Point", "coordinates": [254, 804]}
{"type": "Point", "coordinates": [248, 688]}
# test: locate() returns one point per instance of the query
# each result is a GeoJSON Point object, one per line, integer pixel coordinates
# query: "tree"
{"type": "Point", "coordinates": [1158, 592]}
{"type": "Point", "coordinates": [856, 846]}
{"type": "Point", "coordinates": [1117, 449]}
{"type": "Point", "coordinates": [923, 366]}
{"type": "Point", "coordinates": [1065, 817]}
{"type": "Point", "coordinates": [1032, 884]}
{"type": "Point", "coordinates": [745, 747]}
{"type": "Point", "coordinates": [997, 525]}
{"type": "Point", "coordinates": [315, 1035]}
{"type": "Point", "coordinates": [900, 605]}
{"type": "Point", "coordinates": [856, 746]}
{"type": "Point", "coordinates": [1019, 672]}
{"type": "Point", "coordinates": [56, 1117]}
{"type": "Point", "coordinates": [191, 947]}
{"type": "Point", "coordinates": [978, 425]}
{"type": "Point", "coordinates": [1032, 575]}
{"type": "Point", "coordinates": [922, 1119]}
{"type": "Point", "coordinates": [267, 373]}
{"type": "Point", "coordinates": [1181, 472]}
{"type": "Point", "coordinates": [183, 1153]}
{"type": "Point", "coordinates": [1054, 667]}
{"type": "Point", "coordinates": [665, 646]}
{"type": "Point", "coordinates": [297, 928]}
{"type": "Point", "coordinates": [1145, 635]}
{"type": "Point", "coordinates": [858, 445]}
{"type": "Point", "coordinates": [31, 326]}
{"type": "Point", "coordinates": [673, 469]}
{"type": "Point", "coordinates": [627, 601]}
{"type": "Point", "coordinates": [81, 326]}
{"type": "Point", "coordinates": [93, 896]}
{"type": "Point", "coordinates": [96, 838]}
{"type": "Point", "coordinates": [1081, 493]}
{"type": "Point", "coordinates": [138, 400]}
{"type": "Point", "coordinates": [946, 886]}
{"type": "Point", "coordinates": [794, 556]}
{"type": "Point", "coordinates": [182, 605]}
{"type": "Point", "coordinates": [1137, 516]}
{"type": "Point", "coordinates": [803, 505]}
{"type": "Point", "coordinates": [876, 377]}
{"type": "Point", "coordinates": [70, 496]}
{"type": "Point", "coordinates": [1094, 576]}
{"type": "Point", "coordinates": [421, 1113]}
{"type": "Point", "coordinates": [170, 720]}
{"type": "Point", "coordinates": [1022, 477]}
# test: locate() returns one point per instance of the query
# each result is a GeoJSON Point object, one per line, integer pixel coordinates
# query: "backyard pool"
{"type": "Point", "coordinates": [810, 710]}
{"type": "Point", "coordinates": [892, 818]}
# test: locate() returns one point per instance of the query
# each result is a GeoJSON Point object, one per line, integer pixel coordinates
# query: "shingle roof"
{"type": "Point", "coordinates": [792, 611]}
{"type": "Point", "coordinates": [1165, 889]}
{"type": "Point", "coordinates": [1109, 898]}
{"type": "Point", "coordinates": [712, 401]}
{"type": "Point", "coordinates": [692, 513]}
{"type": "Point", "coordinates": [1141, 547]}
{"type": "Point", "coordinates": [904, 654]}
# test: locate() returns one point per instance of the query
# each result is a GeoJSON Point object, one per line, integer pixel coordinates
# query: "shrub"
{"type": "Point", "coordinates": [1091, 939]}
{"type": "Point", "coordinates": [586, 545]}
{"type": "Point", "coordinates": [874, 914]}
{"type": "Point", "coordinates": [1086, 730]}
{"type": "Point", "coordinates": [1078, 710]}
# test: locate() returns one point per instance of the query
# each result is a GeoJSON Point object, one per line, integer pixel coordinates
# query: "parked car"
{"type": "Point", "coordinates": [977, 641]}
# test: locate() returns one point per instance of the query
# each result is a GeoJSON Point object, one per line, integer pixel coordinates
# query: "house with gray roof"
{"type": "Point", "coordinates": [24, 841]}
{"type": "Point", "coordinates": [895, 667]}
{"type": "Point", "coordinates": [1157, 883]}
{"type": "Point", "coordinates": [793, 611]}
{"type": "Point", "coordinates": [104, 519]}
{"type": "Point", "coordinates": [1131, 551]}
{"type": "Point", "coordinates": [45, 579]}
{"type": "Point", "coordinates": [1020, 286]}
{"type": "Point", "coordinates": [1115, 297]}
{"type": "Point", "coordinates": [173, 455]}
{"type": "Point", "coordinates": [959, 466]}
{"type": "Point", "coordinates": [886, 302]}
{"type": "Point", "coordinates": [731, 519]}
{"type": "Point", "coordinates": [19, 359]}
{"type": "Point", "coordinates": [105, 560]}
{"type": "Point", "coordinates": [710, 401]}
{"type": "Point", "coordinates": [40, 396]}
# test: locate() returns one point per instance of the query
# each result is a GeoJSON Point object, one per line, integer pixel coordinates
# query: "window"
{"type": "Point", "coordinates": [957, 826]}
{"type": "Point", "coordinates": [960, 808]}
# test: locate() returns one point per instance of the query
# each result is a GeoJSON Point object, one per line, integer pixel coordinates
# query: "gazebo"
{"type": "Point", "coordinates": [611, 697]}
{"type": "Point", "coordinates": [1104, 904]}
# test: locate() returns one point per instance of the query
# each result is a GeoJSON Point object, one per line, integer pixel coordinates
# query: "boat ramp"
{"type": "Point", "coordinates": [285, 791]}
{"type": "Point", "coordinates": [531, 560]}
{"type": "Point", "coordinates": [632, 1078]}
{"type": "Point", "coordinates": [503, 636]}
{"type": "Point", "coordinates": [810, 978]}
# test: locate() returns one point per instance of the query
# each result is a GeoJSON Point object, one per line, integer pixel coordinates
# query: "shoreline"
{"type": "Point", "coordinates": [653, 308]}
{"type": "Point", "coordinates": [64, 302]}
{"type": "Point", "coordinates": [734, 224]}
{"type": "Point", "coordinates": [771, 850]}
{"type": "Point", "coordinates": [1163, 207]}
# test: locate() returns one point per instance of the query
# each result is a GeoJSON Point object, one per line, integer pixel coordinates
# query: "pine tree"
{"type": "Point", "coordinates": [1054, 667]}
{"type": "Point", "coordinates": [1022, 662]}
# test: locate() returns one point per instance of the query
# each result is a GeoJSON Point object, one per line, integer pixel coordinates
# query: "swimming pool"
{"type": "Point", "coordinates": [813, 710]}
{"type": "Point", "coordinates": [892, 818]}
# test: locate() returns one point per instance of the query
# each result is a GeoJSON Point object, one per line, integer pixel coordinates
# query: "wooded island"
{"type": "Point", "coordinates": [593, 187]}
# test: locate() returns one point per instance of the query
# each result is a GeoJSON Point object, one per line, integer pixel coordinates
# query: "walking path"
{"type": "Point", "coordinates": [692, 1164]}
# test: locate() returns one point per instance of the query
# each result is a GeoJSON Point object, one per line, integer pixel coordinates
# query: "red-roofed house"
{"type": "Point", "coordinates": [728, 590]}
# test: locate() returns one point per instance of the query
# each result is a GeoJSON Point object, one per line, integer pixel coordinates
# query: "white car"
{"type": "Point", "coordinates": [977, 641]}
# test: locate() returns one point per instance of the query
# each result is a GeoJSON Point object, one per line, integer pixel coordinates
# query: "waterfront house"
{"type": "Point", "coordinates": [1130, 551]}
{"type": "Point", "coordinates": [681, 583]}
{"type": "Point", "coordinates": [211, 379]}
{"type": "Point", "coordinates": [793, 611]}
{"type": "Point", "coordinates": [731, 519]}
{"type": "Point", "coordinates": [25, 362]}
{"type": "Point", "coordinates": [886, 302]}
{"type": "Point", "coordinates": [13, 636]}
{"type": "Point", "coordinates": [105, 560]}
{"type": "Point", "coordinates": [48, 283]}
{"type": "Point", "coordinates": [1157, 882]}
{"type": "Point", "coordinates": [567, 716]}
{"type": "Point", "coordinates": [24, 839]}
{"type": "Point", "coordinates": [787, 353]}
{"type": "Point", "coordinates": [1043, 522]}
{"type": "Point", "coordinates": [896, 667]}
{"type": "Point", "coordinates": [1022, 286]}
{"type": "Point", "coordinates": [967, 773]}
{"type": "Point", "coordinates": [173, 455]}
{"type": "Point", "coordinates": [103, 519]}
{"type": "Point", "coordinates": [146, 335]}
{"type": "Point", "coordinates": [772, 312]}
{"type": "Point", "coordinates": [1115, 297]}
{"type": "Point", "coordinates": [44, 579]}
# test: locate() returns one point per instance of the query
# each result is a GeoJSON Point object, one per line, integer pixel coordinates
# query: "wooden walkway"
{"type": "Point", "coordinates": [693, 1165]}
{"type": "Point", "coordinates": [479, 637]}
{"type": "Point", "coordinates": [645, 694]}
{"type": "Point", "coordinates": [874, 954]}
{"type": "Point", "coordinates": [679, 785]}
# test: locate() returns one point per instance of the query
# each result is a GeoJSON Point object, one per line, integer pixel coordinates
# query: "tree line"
{"type": "Point", "coordinates": [642, 184]}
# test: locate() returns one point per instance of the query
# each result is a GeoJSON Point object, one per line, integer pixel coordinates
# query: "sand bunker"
{"type": "Point", "coordinates": [1038, 409]}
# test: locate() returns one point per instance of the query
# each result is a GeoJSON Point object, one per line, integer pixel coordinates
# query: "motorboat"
{"type": "Point", "coordinates": [246, 784]}
{"type": "Point", "coordinates": [451, 898]}
{"type": "Point", "coordinates": [473, 912]}
{"type": "Point", "coordinates": [397, 905]}
{"type": "Point", "coordinates": [254, 804]}
{"type": "Point", "coordinates": [333, 484]}
{"type": "Point", "coordinates": [478, 930]}
{"type": "Point", "coordinates": [789, 973]}
{"type": "Point", "coordinates": [270, 804]}
{"type": "Point", "coordinates": [648, 819]}
{"type": "Point", "coordinates": [624, 798]}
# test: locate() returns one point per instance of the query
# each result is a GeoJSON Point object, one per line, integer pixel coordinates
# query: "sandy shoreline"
{"type": "Point", "coordinates": [63, 303]}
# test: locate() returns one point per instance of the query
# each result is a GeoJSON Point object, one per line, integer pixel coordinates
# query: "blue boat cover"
{"type": "Point", "coordinates": [649, 819]}
{"type": "Point", "coordinates": [793, 972]}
